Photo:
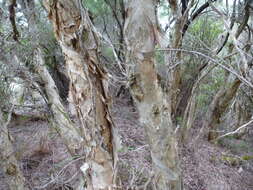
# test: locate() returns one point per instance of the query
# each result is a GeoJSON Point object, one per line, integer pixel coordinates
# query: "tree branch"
{"type": "Point", "coordinates": [235, 131]}
{"type": "Point", "coordinates": [12, 19]}
{"type": "Point", "coordinates": [195, 15]}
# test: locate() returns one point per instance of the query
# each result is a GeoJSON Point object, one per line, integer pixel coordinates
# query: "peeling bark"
{"type": "Point", "coordinates": [8, 161]}
{"type": "Point", "coordinates": [150, 99]}
{"type": "Point", "coordinates": [88, 88]}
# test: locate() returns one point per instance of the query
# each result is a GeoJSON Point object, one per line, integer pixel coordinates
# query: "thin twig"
{"type": "Point", "coordinates": [241, 78]}
{"type": "Point", "coordinates": [235, 131]}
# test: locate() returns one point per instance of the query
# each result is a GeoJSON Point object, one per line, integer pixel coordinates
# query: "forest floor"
{"type": "Point", "coordinates": [46, 164]}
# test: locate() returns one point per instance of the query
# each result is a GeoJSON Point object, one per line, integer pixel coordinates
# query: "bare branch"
{"type": "Point", "coordinates": [235, 131]}
{"type": "Point", "coordinates": [241, 78]}
{"type": "Point", "coordinates": [12, 19]}
{"type": "Point", "coordinates": [195, 15]}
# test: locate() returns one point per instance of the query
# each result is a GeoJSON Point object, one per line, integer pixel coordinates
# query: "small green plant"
{"type": "Point", "coordinates": [179, 120]}
{"type": "Point", "coordinates": [4, 87]}
{"type": "Point", "coordinates": [231, 160]}
{"type": "Point", "coordinates": [247, 157]}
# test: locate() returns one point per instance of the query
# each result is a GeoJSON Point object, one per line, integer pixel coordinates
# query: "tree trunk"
{"type": "Point", "coordinates": [8, 162]}
{"type": "Point", "coordinates": [242, 117]}
{"type": "Point", "coordinates": [59, 117]}
{"type": "Point", "coordinates": [151, 100]}
{"type": "Point", "coordinates": [61, 122]}
{"type": "Point", "coordinates": [57, 70]}
{"type": "Point", "coordinates": [224, 96]}
{"type": "Point", "coordinates": [88, 87]}
{"type": "Point", "coordinates": [218, 106]}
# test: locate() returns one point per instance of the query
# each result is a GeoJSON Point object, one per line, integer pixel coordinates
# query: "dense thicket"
{"type": "Point", "coordinates": [181, 70]}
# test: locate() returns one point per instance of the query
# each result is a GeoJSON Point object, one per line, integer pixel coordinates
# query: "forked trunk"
{"type": "Point", "coordinates": [59, 116]}
{"type": "Point", "coordinates": [151, 100]}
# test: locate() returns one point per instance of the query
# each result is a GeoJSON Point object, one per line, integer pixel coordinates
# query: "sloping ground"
{"type": "Point", "coordinates": [134, 156]}
{"type": "Point", "coordinates": [47, 165]}
{"type": "Point", "coordinates": [43, 157]}
{"type": "Point", "coordinates": [212, 168]}
{"type": "Point", "coordinates": [205, 166]}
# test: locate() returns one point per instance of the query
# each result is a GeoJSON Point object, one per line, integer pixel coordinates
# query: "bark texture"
{"type": "Point", "coordinates": [218, 106]}
{"type": "Point", "coordinates": [151, 101]}
{"type": "Point", "coordinates": [9, 164]}
{"type": "Point", "coordinates": [61, 122]}
{"type": "Point", "coordinates": [88, 88]}
{"type": "Point", "coordinates": [224, 96]}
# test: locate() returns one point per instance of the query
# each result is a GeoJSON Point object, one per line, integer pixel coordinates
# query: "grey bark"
{"type": "Point", "coordinates": [8, 161]}
{"type": "Point", "coordinates": [152, 102]}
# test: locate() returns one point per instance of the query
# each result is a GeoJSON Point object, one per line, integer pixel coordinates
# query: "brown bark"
{"type": "Point", "coordinates": [180, 88]}
{"type": "Point", "coordinates": [88, 87]}
{"type": "Point", "coordinates": [150, 99]}
{"type": "Point", "coordinates": [12, 17]}
{"type": "Point", "coordinates": [242, 116]}
{"type": "Point", "coordinates": [8, 161]}
{"type": "Point", "coordinates": [224, 96]}
{"type": "Point", "coordinates": [176, 39]}
{"type": "Point", "coordinates": [218, 106]}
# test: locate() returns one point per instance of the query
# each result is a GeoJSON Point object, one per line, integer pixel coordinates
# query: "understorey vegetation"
{"type": "Point", "coordinates": [126, 94]}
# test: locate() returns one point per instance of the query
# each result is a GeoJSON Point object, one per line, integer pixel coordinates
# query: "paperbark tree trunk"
{"type": "Point", "coordinates": [8, 162]}
{"type": "Point", "coordinates": [151, 101]}
{"type": "Point", "coordinates": [88, 87]}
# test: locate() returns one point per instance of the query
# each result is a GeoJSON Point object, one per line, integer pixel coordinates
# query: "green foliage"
{"type": "Point", "coordinates": [179, 120]}
{"type": "Point", "coordinates": [231, 160]}
{"type": "Point", "coordinates": [206, 29]}
{"type": "Point", "coordinates": [97, 7]}
{"type": "Point", "coordinates": [126, 149]}
{"type": "Point", "coordinates": [159, 57]}
{"type": "Point", "coordinates": [4, 87]}
{"type": "Point", "coordinates": [234, 145]}
{"type": "Point", "coordinates": [202, 37]}
{"type": "Point", "coordinates": [209, 87]}
{"type": "Point", "coordinates": [163, 8]}
{"type": "Point", "coordinates": [107, 51]}
{"type": "Point", "coordinates": [247, 157]}
{"type": "Point", "coordinates": [236, 160]}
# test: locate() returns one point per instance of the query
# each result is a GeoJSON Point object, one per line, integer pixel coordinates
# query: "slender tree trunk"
{"type": "Point", "coordinates": [62, 123]}
{"type": "Point", "coordinates": [8, 162]}
{"type": "Point", "coordinates": [242, 116]}
{"type": "Point", "coordinates": [150, 99]}
{"type": "Point", "coordinates": [60, 119]}
{"type": "Point", "coordinates": [171, 58]}
{"type": "Point", "coordinates": [218, 106]}
{"type": "Point", "coordinates": [88, 87]}
{"type": "Point", "coordinates": [224, 96]}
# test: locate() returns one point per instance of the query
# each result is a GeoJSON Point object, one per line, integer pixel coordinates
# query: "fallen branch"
{"type": "Point", "coordinates": [235, 131]}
